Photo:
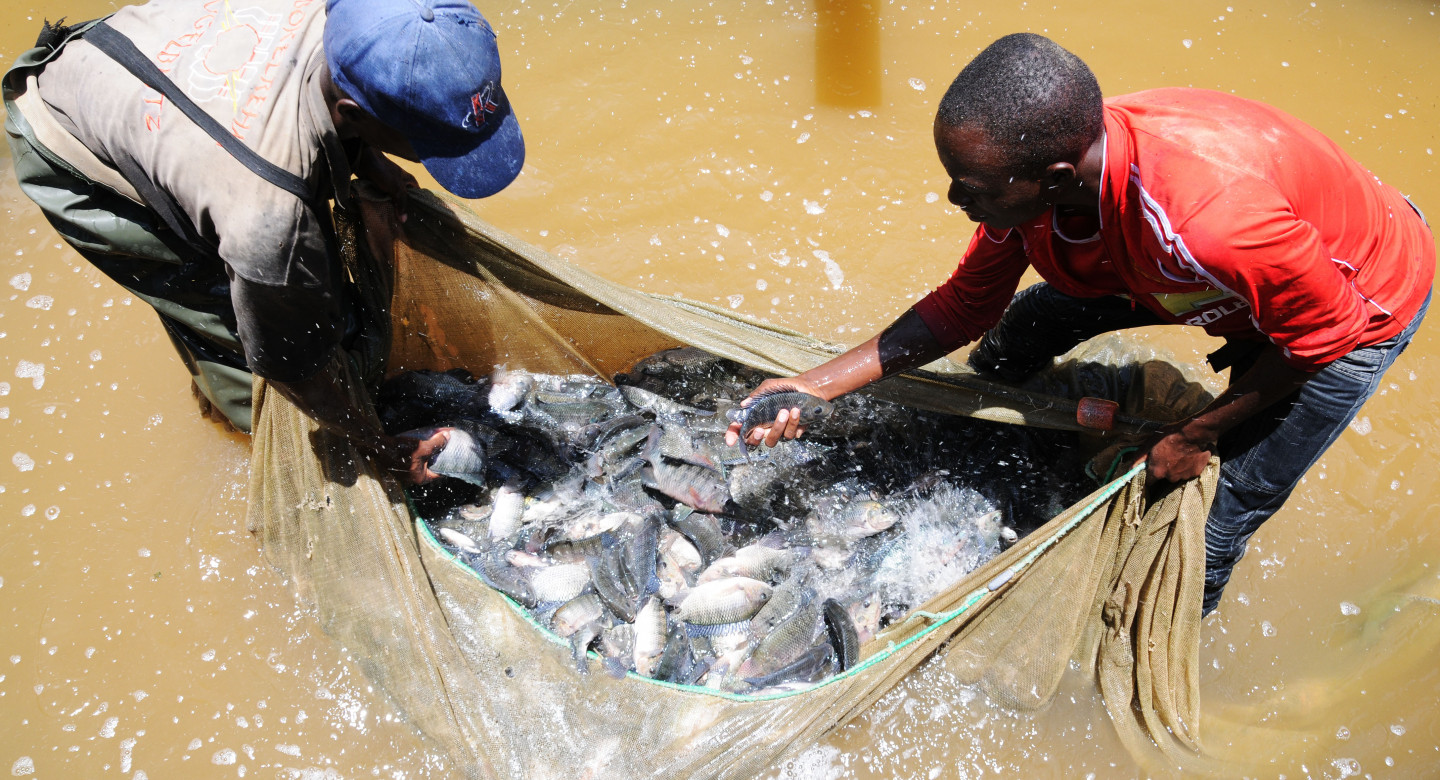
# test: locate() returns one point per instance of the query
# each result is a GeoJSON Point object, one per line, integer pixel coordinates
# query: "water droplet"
{"type": "Point", "coordinates": [917, 84]}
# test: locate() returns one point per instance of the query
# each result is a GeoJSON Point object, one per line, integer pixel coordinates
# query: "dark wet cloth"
{"type": "Point", "coordinates": [1262, 459]}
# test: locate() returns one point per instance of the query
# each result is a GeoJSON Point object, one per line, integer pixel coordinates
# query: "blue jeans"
{"type": "Point", "coordinates": [1262, 459]}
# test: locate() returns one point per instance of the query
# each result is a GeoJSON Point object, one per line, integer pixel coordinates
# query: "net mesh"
{"type": "Point", "coordinates": [1114, 581]}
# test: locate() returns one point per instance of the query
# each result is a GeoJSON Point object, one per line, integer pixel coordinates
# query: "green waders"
{"type": "Point", "coordinates": [186, 284]}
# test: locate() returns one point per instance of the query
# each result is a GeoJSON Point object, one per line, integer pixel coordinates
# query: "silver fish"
{"type": "Point", "coordinates": [691, 485]}
{"type": "Point", "coordinates": [756, 561]}
{"type": "Point", "coordinates": [459, 540]}
{"type": "Point", "coordinates": [508, 389]}
{"type": "Point", "coordinates": [561, 582]}
{"type": "Point", "coordinates": [723, 601]}
{"type": "Point", "coordinates": [650, 636]}
{"type": "Point", "coordinates": [784, 644]}
{"type": "Point", "coordinates": [462, 457]}
{"type": "Point", "coordinates": [507, 508]}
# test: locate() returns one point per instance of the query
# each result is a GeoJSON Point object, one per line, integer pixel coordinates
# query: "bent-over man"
{"type": "Point", "coordinates": [191, 150]}
{"type": "Point", "coordinates": [1166, 206]}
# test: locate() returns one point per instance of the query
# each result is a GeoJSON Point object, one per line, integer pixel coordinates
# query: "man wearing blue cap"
{"type": "Point", "coordinates": [191, 149]}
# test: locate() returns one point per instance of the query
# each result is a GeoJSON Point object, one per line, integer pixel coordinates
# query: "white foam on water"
{"type": "Point", "coordinates": [917, 84]}
{"type": "Point", "coordinates": [819, 762]}
{"type": "Point", "coordinates": [22, 461]}
{"type": "Point", "coordinates": [224, 757]}
{"type": "Point", "coordinates": [41, 302]}
{"type": "Point", "coordinates": [1348, 608]}
{"type": "Point", "coordinates": [35, 372]}
{"type": "Point", "coordinates": [832, 268]}
{"type": "Point", "coordinates": [23, 765]}
{"type": "Point", "coordinates": [813, 207]}
{"type": "Point", "coordinates": [21, 281]}
{"type": "Point", "coordinates": [126, 747]}
{"type": "Point", "coordinates": [108, 730]}
{"type": "Point", "coordinates": [735, 301]}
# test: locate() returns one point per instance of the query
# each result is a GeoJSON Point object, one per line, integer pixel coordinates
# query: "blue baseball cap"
{"type": "Point", "coordinates": [429, 69]}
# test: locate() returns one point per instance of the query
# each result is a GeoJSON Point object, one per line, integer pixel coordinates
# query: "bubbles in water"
{"type": "Point", "coordinates": [1348, 608]}
{"type": "Point", "coordinates": [22, 461]}
{"type": "Point", "coordinates": [289, 750]}
{"type": "Point", "coordinates": [1397, 729]}
{"type": "Point", "coordinates": [224, 757]}
{"type": "Point", "coordinates": [722, 230]}
{"type": "Point", "coordinates": [4, 388]}
{"type": "Point", "coordinates": [931, 197]}
{"type": "Point", "coordinates": [144, 552]}
{"type": "Point", "coordinates": [23, 765]}
{"type": "Point", "coordinates": [1361, 425]}
{"type": "Point", "coordinates": [761, 284]}
{"type": "Point", "coordinates": [195, 744]}
{"type": "Point", "coordinates": [814, 207]}
{"type": "Point", "coordinates": [208, 655]}
{"type": "Point", "coordinates": [27, 510]}
{"type": "Point", "coordinates": [35, 372]}
{"type": "Point", "coordinates": [1267, 628]}
{"type": "Point", "coordinates": [41, 302]}
{"type": "Point", "coordinates": [95, 355]}
{"type": "Point", "coordinates": [1187, 43]}
{"type": "Point", "coordinates": [767, 196]}
{"type": "Point", "coordinates": [917, 84]}
{"type": "Point", "coordinates": [803, 138]}
{"type": "Point", "coordinates": [1348, 767]}
{"type": "Point", "coordinates": [108, 730]}
{"type": "Point", "coordinates": [52, 512]}
{"type": "Point", "coordinates": [1342, 733]}
{"type": "Point", "coordinates": [736, 300]}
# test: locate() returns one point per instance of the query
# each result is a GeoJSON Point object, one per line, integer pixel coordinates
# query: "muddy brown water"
{"type": "Point", "coordinates": [705, 149]}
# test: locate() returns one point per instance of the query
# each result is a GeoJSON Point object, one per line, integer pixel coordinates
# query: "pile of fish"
{"type": "Point", "coordinates": [617, 515]}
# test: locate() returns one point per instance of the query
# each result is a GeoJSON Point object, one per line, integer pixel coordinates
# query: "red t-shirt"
{"type": "Point", "coordinates": [1220, 212]}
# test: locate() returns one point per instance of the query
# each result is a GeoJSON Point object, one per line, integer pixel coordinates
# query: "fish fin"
{"type": "Point", "coordinates": [615, 668]}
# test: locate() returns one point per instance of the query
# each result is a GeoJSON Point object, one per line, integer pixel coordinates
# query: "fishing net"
{"type": "Point", "coordinates": [1113, 582]}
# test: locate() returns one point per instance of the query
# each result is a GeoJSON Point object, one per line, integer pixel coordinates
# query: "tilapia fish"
{"type": "Point", "coordinates": [763, 408]}
{"type": "Point", "coordinates": [462, 457]}
{"type": "Point", "coordinates": [691, 485]}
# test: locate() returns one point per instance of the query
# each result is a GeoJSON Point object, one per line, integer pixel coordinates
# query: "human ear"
{"type": "Point", "coordinates": [1059, 176]}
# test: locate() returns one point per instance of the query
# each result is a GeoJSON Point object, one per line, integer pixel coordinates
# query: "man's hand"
{"type": "Point", "coordinates": [786, 423]}
{"type": "Point", "coordinates": [1176, 456]}
{"type": "Point", "coordinates": [415, 468]}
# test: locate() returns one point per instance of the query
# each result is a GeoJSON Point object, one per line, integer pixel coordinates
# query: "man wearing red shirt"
{"type": "Point", "coordinates": [1167, 206]}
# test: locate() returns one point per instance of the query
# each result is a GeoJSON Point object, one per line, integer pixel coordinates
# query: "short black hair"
{"type": "Point", "coordinates": [1031, 97]}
